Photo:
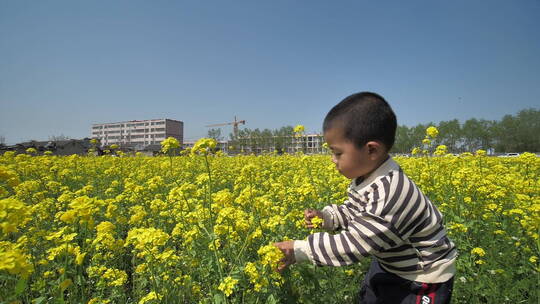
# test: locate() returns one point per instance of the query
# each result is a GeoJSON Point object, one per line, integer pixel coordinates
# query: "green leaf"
{"type": "Point", "coordinates": [20, 287]}
{"type": "Point", "coordinates": [38, 300]}
{"type": "Point", "coordinates": [271, 299]}
{"type": "Point", "coordinates": [219, 298]}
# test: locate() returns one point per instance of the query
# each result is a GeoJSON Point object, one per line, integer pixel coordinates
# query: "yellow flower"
{"type": "Point", "coordinates": [432, 132]}
{"type": "Point", "coordinates": [149, 297]}
{"type": "Point", "coordinates": [98, 301]}
{"type": "Point", "coordinates": [196, 289]}
{"type": "Point", "coordinates": [144, 238]}
{"type": "Point", "coordinates": [169, 145]}
{"type": "Point", "coordinates": [105, 227]}
{"type": "Point", "coordinates": [60, 213]}
{"type": "Point", "coordinates": [456, 227]}
{"type": "Point", "coordinates": [299, 129]}
{"type": "Point", "coordinates": [317, 222]}
{"type": "Point", "coordinates": [82, 210]}
{"type": "Point", "coordinates": [441, 150]}
{"type": "Point", "coordinates": [68, 216]}
{"type": "Point", "coordinates": [115, 277]}
{"type": "Point", "coordinates": [79, 259]}
{"type": "Point", "coordinates": [270, 255]}
{"type": "Point", "coordinates": [480, 152]}
{"type": "Point", "coordinates": [204, 145]}
{"type": "Point", "coordinates": [13, 214]}
{"type": "Point", "coordinates": [255, 277]}
{"type": "Point", "coordinates": [227, 285]}
{"type": "Point", "coordinates": [492, 207]}
{"type": "Point", "coordinates": [14, 260]}
{"type": "Point", "coordinates": [31, 151]}
{"type": "Point", "coordinates": [478, 251]}
{"type": "Point", "coordinates": [114, 146]}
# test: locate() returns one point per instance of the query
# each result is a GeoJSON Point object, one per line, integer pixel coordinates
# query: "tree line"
{"type": "Point", "coordinates": [513, 133]}
{"type": "Point", "coordinates": [258, 141]}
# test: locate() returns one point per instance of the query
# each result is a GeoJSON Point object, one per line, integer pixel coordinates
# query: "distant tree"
{"type": "Point", "coordinates": [268, 140]}
{"type": "Point", "coordinates": [282, 138]}
{"type": "Point", "coordinates": [418, 133]}
{"type": "Point", "coordinates": [215, 134]}
{"type": "Point", "coordinates": [528, 130]}
{"type": "Point", "coordinates": [518, 133]}
{"type": "Point", "coordinates": [449, 134]}
{"type": "Point", "coordinates": [403, 142]}
{"type": "Point", "coordinates": [477, 134]}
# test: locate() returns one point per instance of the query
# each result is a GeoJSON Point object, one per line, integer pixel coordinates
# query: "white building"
{"type": "Point", "coordinates": [138, 133]}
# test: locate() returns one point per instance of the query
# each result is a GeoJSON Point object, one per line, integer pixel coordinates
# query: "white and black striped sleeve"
{"type": "Point", "coordinates": [337, 216]}
{"type": "Point", "coordinates": [366, 234]}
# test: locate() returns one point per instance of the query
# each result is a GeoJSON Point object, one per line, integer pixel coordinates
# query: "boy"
{"type": "Point", "coordinates": [386, 215]}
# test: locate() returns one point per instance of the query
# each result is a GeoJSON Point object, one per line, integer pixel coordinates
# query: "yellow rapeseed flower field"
{"type": "Point", "coordinates": [198, 228]}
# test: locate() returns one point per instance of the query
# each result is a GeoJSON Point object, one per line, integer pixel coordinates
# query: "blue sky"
{"type": "Point", "coordinates": [67, 64]}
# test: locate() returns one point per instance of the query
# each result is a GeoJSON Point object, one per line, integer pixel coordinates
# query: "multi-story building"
{"type": "Point", "coordinates": [138, 133]}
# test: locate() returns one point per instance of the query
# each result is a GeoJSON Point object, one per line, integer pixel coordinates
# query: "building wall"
{"type": "Point", "coordinates": [139, 133]}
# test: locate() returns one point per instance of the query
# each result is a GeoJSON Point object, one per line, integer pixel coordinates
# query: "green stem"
{"type": "Point", "coordinates": [212, 218]}
{"type": "Point", "coordinates": [153, 276]}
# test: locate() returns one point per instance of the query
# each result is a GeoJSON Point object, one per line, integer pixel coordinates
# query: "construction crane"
{"type": "Point", "coordinates": [235, 124]}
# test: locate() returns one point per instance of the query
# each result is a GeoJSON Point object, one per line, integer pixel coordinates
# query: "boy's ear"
{"type": "Point", "coordinates": [375, 148]}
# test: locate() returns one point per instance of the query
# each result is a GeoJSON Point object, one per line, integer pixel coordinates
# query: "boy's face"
{"type": "Point", "coordinates": [351, 161]}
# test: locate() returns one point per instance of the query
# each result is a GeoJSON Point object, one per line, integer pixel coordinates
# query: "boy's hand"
{"type": "Point", "coordinates": [309, 214]}
{"type": "Point", "coordinates": [287, 247]}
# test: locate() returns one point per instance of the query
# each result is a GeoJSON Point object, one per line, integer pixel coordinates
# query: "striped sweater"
{"type": "Point", "coordinates": [388, 217]}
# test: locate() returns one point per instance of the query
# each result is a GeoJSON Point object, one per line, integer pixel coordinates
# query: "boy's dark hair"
{"type": "Point", "coordinates": [364, 117]}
